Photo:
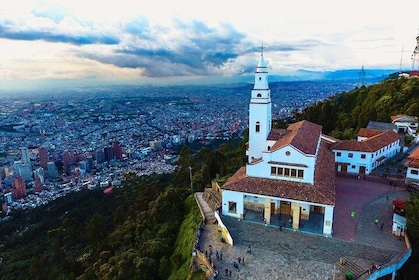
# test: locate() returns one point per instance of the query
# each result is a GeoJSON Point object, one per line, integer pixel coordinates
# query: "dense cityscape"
{"type": "Point", "coordinates": [55, 143]}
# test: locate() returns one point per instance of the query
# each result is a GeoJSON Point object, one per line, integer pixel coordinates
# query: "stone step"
{"type": "Point", "coordinates": [346, 265]}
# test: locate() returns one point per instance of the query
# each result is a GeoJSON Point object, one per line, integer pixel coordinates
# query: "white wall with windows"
{"type": "Point", "coordinates": [356, 160]}
{"type": "Point", "coordinates": [284, 164]}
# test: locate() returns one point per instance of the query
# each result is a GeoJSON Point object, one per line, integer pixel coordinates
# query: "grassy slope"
{"type": "Point", "coordinates": [182, 255]}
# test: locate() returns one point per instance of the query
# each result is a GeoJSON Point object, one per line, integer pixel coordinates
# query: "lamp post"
{"type": "Point", "coordinates": [190, 178]}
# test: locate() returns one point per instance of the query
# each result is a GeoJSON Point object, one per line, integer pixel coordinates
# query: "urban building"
{"type": "Point", "coordinates": [43, 157]}
{"type": "Point", "coordinates": [20, 187]}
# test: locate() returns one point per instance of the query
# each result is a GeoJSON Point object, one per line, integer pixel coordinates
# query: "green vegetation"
{"type": "Point", "coordinates": [344, 114]}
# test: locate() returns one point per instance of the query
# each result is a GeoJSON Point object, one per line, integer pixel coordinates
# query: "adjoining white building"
{"type": "Point", "coordinates": [412, 173]}
{"type": "Point", "coordinates": [405, 124]}
{"type": "Point", "coordinates": [371, 150]}
{"type": "Point", "coordinates": [289, 171]}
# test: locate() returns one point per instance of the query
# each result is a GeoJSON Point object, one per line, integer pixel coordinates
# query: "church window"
{"type": "Point", "coordinates": [232, 207]}
{"type": "Point", "coordinates": [257, 127]}
{"type": "Point", "coordinates": [288, 153]}
{"type": "Point", "coordinates": [287, 172]}
{"type": "Point", "coordinates": [273, 170]}
{"type": "Point", "coordinates": [259, 95]}
{"type": "Point", "coordinates": [280, 171]}
{"type": "Point", "coordinates": [300, 174]}
{"type": "Point", "coordinates": [269, 148]}
{"type": "Point", "coordinates": [260, 78]}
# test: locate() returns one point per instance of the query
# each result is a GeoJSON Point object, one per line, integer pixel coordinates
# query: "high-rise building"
{"type": "Point", "coordinates": [67, 161]}
{"type": "Point", "coordinates": [51, 169]}
{"type": "Point", "coordinates": [117, 150]}
{"type": "Point", "coordinates": [89, 160]}
{"type": "Point", "coordinates": [109, 155]}
{"type": "Point", "coordinates": [26, 172]}
{"type": "Point", "coordinates": [43, 157]}
{"type": "Point", "coordinates": [38, 175]}
{"type": "Point", "coordinates": [20, 187]}
{"type": "Point", "coordinates": [26, 159]}
{"type": "Point", "coordinates": [100, 156]}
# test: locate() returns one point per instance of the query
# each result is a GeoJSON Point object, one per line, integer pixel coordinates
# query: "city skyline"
{"type": "Point", "coordinates": [43, 42]}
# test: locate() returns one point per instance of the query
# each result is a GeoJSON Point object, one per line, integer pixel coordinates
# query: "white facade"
{"type": "Point", "coordinates": [260, 112]}
{"type": "Point", "coordinates": [361, 157]}
{"type": "Point", "coordinates": [294, 159]}
{"type": "Point", "coordinates": [412, 173]}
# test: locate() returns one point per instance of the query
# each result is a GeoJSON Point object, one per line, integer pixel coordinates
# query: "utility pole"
{"type": "Point", "coordinates": [190, 178]}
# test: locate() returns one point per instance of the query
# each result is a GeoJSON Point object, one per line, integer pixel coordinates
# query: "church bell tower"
{"type": "Point", "coordinates": [260, 112]}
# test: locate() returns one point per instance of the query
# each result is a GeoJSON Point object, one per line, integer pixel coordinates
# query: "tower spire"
{"type": "Point", "coordinates": [261, 52]}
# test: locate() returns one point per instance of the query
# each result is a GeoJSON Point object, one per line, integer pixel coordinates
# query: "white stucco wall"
{"type": "Point", "coordinates": [411, 176]}
{"type": "Point", "coordinates": [232, 196]}
{"type": "Point", "coordinates": [328, 220]}
{"type": "Point", "coordinates": [263, 168]}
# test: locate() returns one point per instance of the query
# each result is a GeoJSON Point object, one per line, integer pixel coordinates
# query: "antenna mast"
{"type": "Point", "coordinates": [362, 78]}
{"type": "Point", "coordinates": [415, 53]}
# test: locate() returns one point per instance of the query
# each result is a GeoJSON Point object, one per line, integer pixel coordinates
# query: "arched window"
{"type": "Point", "coordinates": [259, 95]}
{"type": "Point", "coordinates": [257, 128]}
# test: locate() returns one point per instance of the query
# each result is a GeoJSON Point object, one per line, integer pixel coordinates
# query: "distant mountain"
{"type": "Point", "coordinates": [372, 76]}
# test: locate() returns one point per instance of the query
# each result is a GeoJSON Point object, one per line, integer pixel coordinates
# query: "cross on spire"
{"type": "Point", "coordinates": [261, 49]}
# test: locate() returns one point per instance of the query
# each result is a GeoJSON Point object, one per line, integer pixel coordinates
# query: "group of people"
{"type": "Point", "coordinates": [219, 256]}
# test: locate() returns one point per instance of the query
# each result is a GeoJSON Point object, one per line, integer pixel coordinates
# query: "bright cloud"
{"type": "Point", "coordinates": [131, 40]}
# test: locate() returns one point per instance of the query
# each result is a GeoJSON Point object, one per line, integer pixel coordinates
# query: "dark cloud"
{"type": "Point", "coordinates": [198, 48]}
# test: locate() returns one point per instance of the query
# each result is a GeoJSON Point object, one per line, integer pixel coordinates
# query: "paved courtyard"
{"type": "Point", "coordinates": [290, 254]}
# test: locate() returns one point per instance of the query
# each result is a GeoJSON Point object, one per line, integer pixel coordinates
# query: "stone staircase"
{"type": "Point", "coordinates": [206, 209]}
{"type": "Point", "coordinates": [347, 266]}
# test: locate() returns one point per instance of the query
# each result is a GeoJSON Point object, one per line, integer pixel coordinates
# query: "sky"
{"type": "Point", "coordinates": [128, 41]}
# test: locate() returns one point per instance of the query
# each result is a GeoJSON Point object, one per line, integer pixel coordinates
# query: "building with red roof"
{"type": "Point", "coordinates": [289, 171]}
{"type": "Point", "coordinates": [372, 149]}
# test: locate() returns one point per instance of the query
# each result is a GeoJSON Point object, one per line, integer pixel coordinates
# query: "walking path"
{"type": "Point", "coordinates": [290, 254]}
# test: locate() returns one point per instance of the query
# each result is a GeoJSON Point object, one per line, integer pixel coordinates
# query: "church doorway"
{"type": "Point", "coordinates": [285, 208]}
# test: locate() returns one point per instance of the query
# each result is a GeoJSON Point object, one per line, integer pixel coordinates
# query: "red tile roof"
{"type": "Point", "coordinates": [303, 135]}
{"type": "Point", "coordinates": [413, 159]}
{"type": "Point", "coordinates": [322, 191]}
{"type": "Point", "coordinates": [371, 144]}
{"type": "Point", "coordinates": [366, 132]}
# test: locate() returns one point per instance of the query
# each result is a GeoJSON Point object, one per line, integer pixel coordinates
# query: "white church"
{"type": "Point", "coordinates": [289, 173]}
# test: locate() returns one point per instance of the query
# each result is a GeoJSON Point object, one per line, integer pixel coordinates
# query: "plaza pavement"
{"type": "Point", "coordinates": [290, 254]}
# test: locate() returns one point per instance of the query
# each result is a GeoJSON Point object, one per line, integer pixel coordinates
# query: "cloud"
{"type": "Point", "coordinates": [61, 29]}
{"type": "Point", "coordinates": [185, 48]}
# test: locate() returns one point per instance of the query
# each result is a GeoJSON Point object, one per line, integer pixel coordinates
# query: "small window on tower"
{"type": "Point", "coordinates": [259, 95]}
{"type": "Point", "coordinates": [257, 127]}
{"type": "Point", "coordinates": [260, 78]}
